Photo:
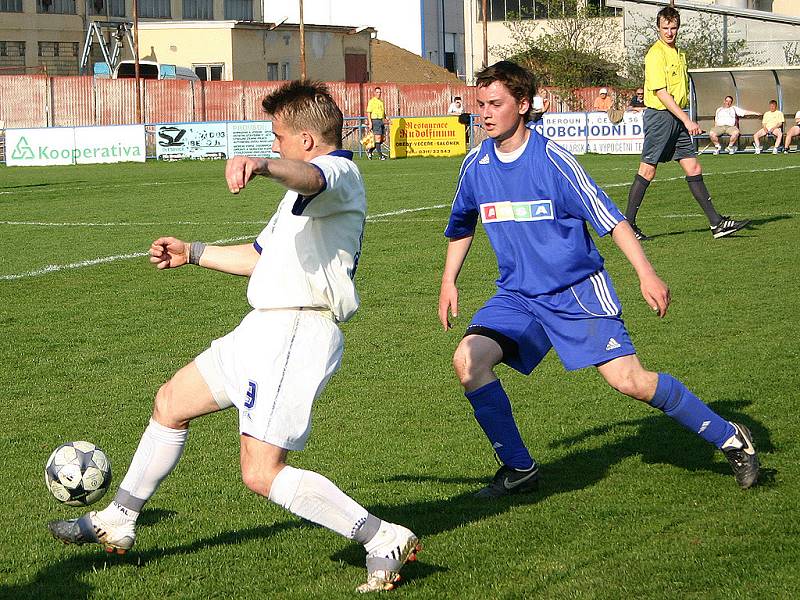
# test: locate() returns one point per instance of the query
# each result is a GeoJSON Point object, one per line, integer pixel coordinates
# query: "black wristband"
{"type": "Point", "coordinates": [196, 250]}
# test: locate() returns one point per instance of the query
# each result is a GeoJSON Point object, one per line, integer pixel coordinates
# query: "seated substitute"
{"type": "Point", "coordinates": [726, 121]}
{"type": "Point", "coordinates": [772, 124]}
{"type": "Point", "coordinates": [536, 203]}
{"type": "Point", "coordinates": [275, 364]}
{"type": "Point", "coordinates": [793, 132]}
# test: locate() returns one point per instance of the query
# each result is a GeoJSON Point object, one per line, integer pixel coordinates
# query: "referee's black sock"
{"type": "Point", "coordinates": [700, 193]}
{"type": "Point", "coordinates": [635, 197]}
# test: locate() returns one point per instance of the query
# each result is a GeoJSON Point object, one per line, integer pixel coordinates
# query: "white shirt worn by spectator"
{"type": "Point", "coordinates": [726, 117]}
{"type": "Point", "coordinates": [311, 246]}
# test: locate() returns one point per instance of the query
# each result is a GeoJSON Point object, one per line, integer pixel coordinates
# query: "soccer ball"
{"type": "Point", "coordinates": [78, 473]}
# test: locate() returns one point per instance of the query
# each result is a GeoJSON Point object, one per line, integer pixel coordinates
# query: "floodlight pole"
{"type": "Point", "coordinates": [302, 44]}
{"type": "Point", "coordinates": [485, 41]}
{"type": "Point", "coordinates": [136, 73]}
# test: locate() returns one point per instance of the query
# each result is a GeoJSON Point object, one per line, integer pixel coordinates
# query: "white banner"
{"type": "Point", "coordinates": [191, 140]}
{"type": "Point", "coordinates": [625, 137]}
{"type": "Point", "coordinates": [251, 138]}
{"type": "Point", "coordinates": [45, 146]}
{"type": "Point", "coordinates": [71, 145]}
{"type": "Point", "coordinates": [567, 129]}
{"type": "Point", "coordinates": [113, 144]}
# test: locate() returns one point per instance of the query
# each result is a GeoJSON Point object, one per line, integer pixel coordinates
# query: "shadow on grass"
{"type": "Point", "coordinates": [742, 233]}
{"type": "Point", "coordinates": [655, 438]}
{"type": "Point", "coordinates": [38, 185]}
{"type": "Point", "coordinates": [64, 579]}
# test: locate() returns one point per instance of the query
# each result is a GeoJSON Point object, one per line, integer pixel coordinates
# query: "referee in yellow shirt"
{"type": "Point", "coordinates": [668, 128]}
{"type": "Point", "coordinates": [376, 113]}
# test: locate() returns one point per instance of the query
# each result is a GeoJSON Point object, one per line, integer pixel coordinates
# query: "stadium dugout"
{"type": "Point", "coordinates": [751, 87]}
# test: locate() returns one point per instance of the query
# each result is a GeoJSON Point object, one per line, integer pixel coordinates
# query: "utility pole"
{"type": "Point", "coordinates": [485, 41]}
{"type": "Point", "coordinates": [302, 44]}
{"type": "Point", "coordinates": [137, 84]}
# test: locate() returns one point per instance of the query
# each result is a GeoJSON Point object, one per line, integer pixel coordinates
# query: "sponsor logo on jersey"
{"type": "Point", "coordinates": [612, 344]}
{"type": "Point", "coordinates": [529, 210]}
{"type": "Point", "coordinates": [484, 160]}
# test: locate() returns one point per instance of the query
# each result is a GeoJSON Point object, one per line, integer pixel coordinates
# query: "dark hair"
{"type": "Point", "coordinates": [520, 82]}
{"type": "Point", "coordinates": [729, 96]}
{"type": "Point", "coordinates": [307, 105]}
{"type": "Point", "coordinates": [775, 102]}
{"type": "Point", "coordinates": [457, 98]}
{"type": "Point", "coordinates": [668, 14]}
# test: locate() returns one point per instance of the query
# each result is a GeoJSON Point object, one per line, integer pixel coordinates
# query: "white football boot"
{"type": "Point", "coordinates": [92, 529]}
{"type": "Point", "coordinates": [391, 548]}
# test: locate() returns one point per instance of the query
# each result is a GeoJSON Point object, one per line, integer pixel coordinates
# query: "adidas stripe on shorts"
{"type": "Point", "coordinates": [582, 322]}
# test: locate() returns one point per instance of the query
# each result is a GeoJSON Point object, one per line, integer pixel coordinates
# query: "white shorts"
{"type": "Point", "coordinates": [271, 368]}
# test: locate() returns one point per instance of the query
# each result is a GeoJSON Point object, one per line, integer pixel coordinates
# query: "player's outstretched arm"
{"type": "Point", "coordinates": [654, 291]}
{"type": "Point", "coordinates": [297, 175]}
{"type": "Point", "coordinates": [170, 252]}
{"type": "Point", "coordinates": [448, 293]}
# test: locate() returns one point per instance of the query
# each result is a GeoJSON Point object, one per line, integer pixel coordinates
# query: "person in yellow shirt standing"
{"type": "Point", "coordinates": [772, 124]}
{"type": "Point", "coordinates": [376, 113]}
{"type": "Point", "coordinates": [668, 128]}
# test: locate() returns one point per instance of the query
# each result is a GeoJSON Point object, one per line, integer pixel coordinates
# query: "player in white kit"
{"type": "Point", "coordinates": [277, 361]}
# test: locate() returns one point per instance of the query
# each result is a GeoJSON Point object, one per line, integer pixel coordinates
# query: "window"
{"type": "Point", "coordinates": [198, 9]}
{"type": "Point", "coordinates": [272, 71]}
{"type": "Point", "coordinates": [107, 8]}
{"type": "Point", "coordinates": [154, 9]}
{"type": "Point", "coordinates": [506, 10]}
{"type": "Point", "coordinates": [285, 71]}
{"type": "Point", "coordinates": [60, 58]}
{"type": "Point", "coordinates": [56, 7]}
{"type": "Point", "coordinates": [10, 5]}
{"type": "Point", "coordinates": [209, 72]}
{"type": "Point", "coordinates": [450, 52]}
{"type": "Point", "coordinates": [239, 10]}
{"type": "Point", "coordinates": [12, 54]}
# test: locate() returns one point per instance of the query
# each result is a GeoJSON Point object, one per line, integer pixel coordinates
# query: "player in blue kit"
{"type": "Point", "coordinates": [535, 201]}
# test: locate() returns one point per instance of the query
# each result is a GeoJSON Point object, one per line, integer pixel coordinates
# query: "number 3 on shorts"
{"type": "Point", "coordinates": [252, 389]}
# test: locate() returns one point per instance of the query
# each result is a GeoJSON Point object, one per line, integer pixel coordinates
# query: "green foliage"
{"type": "Point", "coordinates": [630, 504]}
{"type": "Point", "coordinates": [702, 37]}
{"type": "Point", "coordinates": [568, 52]}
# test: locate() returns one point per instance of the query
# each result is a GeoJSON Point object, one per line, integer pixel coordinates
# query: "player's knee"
{"type": "Point", "coordinates": [258, 479]}
{"type": "Point", "coordinates": [633, 383]}
{"type": "Point", "coordinates": [469, 363]}
{"type": "Point", "coordinates": [164, 408]}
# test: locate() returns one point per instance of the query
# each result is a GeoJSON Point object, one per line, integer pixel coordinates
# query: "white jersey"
{"type": "Point", "coordinates": [310, 248]}
{"type": "Point", "coordinates": [726, 117]}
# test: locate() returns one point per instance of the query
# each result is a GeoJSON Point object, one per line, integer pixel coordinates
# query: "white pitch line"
{"type": "Point", "coordinates": [128, 223]}
{"type": "Point", "coordinates": [97, 261]}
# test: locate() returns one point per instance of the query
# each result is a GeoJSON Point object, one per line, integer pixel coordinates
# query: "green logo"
{"type": "Point", "coordinates": [22, 150]}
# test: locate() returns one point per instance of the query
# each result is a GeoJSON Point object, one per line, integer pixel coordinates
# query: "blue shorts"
{"type": "Point", "coordinates": [582, 323]}
{"type": "Point", "coordinates": [378, 126]}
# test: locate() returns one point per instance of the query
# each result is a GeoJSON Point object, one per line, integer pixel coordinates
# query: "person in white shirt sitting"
{"type": "Point", "coordinates": [726, 120]}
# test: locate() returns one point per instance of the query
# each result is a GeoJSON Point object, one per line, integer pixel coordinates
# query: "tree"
{"type": "Point", "coordinates": [705, 39]}
{"type": "Point", "coordinates": [576, 47]}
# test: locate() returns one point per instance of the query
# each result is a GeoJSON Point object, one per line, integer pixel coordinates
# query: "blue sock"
{"type": "Point", "coordinates": [678, 402]}
{"type": "Point", "coordinates": [493, 413]}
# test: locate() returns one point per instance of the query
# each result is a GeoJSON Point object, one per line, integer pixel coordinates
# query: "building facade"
{"type": "Point", "coordinates": [432, 29]}
{"type": "Point", "coordinates": [36, 34]}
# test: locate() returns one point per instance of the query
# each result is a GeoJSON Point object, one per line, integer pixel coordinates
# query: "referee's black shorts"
{"type": "Point", "coordinates": [665, 138]}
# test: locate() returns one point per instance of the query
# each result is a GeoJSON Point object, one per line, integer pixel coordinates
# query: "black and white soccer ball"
{"type": "Point", "coordinates": [78, 473]}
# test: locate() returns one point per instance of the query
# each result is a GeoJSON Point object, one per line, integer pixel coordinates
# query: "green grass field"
{"type": "Point", "coordinates": [630, 504]}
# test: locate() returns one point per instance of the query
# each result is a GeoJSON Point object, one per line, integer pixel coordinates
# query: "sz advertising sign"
{"type": "Point", "coordinates": [625, 137]}
{"type": "Point", "coordinates": [427, 136]}
{"type": "Point", "coordinates": [176, 141]}
{"type": "Point", "coordinates": [567, 129]}
{"type": "Point", "coordinates": [75, 145]}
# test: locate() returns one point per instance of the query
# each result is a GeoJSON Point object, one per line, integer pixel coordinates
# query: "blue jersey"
{"type": "Point", "coordinates": [534, 211]}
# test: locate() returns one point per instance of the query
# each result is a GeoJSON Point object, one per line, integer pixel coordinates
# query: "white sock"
{"type": "Point", "coordinates": [117, 514]}
{"type": "Point", "coordinates": [157, 454]}
{"type": "Point", "coordinates": [315, 498]}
